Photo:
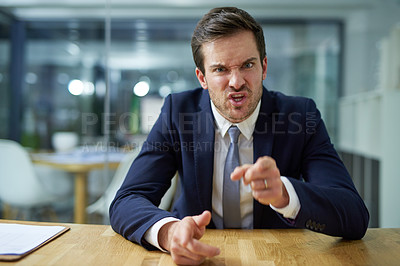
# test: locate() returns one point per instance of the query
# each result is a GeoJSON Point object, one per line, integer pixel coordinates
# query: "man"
{"type": "Point", "coordinates": [289, 176]}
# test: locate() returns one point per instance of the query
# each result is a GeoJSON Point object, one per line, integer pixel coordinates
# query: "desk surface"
{"type": "Point", "coordinates": [100, 245]}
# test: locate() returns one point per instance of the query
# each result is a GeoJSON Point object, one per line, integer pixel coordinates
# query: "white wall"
{"type": "Point", "coordinates": [390, 160]}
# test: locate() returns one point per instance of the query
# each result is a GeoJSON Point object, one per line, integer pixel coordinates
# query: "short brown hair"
{"type": "Point", "coordinates": [220, 22]}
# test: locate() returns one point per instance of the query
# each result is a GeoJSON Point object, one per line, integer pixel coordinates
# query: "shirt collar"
{"type": "Point", "coordinates": [246, 127]}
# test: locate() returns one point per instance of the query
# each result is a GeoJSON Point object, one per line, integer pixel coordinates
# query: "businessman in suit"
{"type": "Point", "coordinates": [288, 174]}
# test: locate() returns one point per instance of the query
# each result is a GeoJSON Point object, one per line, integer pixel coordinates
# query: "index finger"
{"type": "Point", "coordinates": [239, 171]}
{"type": "Point", "coordinates": [202, 249]}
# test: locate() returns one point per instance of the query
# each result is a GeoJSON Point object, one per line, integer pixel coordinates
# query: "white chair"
{"type": "Point", "coordinates": [21, 187]}
{"type": "Point", "coordinates": [101, 206]}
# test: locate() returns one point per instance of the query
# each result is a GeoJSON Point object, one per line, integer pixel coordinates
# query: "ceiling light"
{"type": "Point", "coordinates": [141, 88]}
{"type": "Point", "coordinates": [75, 87]}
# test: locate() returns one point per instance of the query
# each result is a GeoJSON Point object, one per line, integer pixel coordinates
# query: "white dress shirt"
{"type": "Point", "coordinates": [221, 146]}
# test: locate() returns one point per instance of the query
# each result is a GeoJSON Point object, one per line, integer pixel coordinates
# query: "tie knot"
{"type": "Point", "coordinates": [234, 133]}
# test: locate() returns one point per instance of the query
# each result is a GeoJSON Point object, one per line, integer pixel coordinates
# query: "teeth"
{"type": "Point", "coordinates": [237, 97]}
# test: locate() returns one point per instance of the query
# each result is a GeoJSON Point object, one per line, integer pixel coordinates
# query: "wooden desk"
{"type": "Point", "coordinates": [100, 245]}
{"type": "Point", "coordinates": [80, 171]}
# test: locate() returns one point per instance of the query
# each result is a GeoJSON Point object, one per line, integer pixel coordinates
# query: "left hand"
{"type": "Point", "coordinates": [264, 169]}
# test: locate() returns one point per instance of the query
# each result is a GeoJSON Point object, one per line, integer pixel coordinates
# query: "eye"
{"type": "Point", "coordinates": [219, 69]}
{"type": "Point", "coordinates": [248, 65]}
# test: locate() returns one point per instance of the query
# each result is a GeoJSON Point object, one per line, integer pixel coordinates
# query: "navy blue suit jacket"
{"type": "Point", "coordinates": [289, 129]}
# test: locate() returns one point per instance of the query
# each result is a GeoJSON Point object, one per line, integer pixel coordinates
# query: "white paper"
{"type": "Point", "coordinates": [17, 239]}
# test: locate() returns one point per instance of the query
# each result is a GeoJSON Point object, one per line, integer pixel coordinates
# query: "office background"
{"type": "Point", "coordinates": [101, 69]}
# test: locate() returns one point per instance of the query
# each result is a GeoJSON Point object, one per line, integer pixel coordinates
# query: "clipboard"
{"type": "Point", "coordinates": [15, 257]}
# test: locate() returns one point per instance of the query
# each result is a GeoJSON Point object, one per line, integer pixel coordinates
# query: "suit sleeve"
{"type": "Point", "coordinates": [134, 209]}
{"type": "Point", "coordinates": [330, 203]}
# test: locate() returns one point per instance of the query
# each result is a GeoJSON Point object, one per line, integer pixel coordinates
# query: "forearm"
{"type": "Point", "coordinates": [333, 211]}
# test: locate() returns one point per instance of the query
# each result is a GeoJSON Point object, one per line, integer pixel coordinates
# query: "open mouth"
{"type": "Point", "coordinates": [237, 97]}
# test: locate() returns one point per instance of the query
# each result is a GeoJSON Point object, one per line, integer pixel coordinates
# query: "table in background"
{"type": "Point", "coordinates": [100, 245]}
{"type": "Point", "coordinates": [80, 168]}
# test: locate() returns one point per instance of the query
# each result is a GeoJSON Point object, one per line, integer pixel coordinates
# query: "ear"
{"type": "Point", "coordinates": [202, 79]}
{"type": "Point", "coordinates": [264, 67]}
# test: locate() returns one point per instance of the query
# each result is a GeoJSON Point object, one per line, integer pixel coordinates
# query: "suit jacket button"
{"type": "Point", "coordinates": [318, 227]}
{"type": "Point", "coordinates": [308, 223]}
{"type": "Point", "coordinates": [313, 225]}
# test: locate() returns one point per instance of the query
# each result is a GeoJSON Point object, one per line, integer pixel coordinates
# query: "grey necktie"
{"type": "Point", "coordinates": [231, 193]}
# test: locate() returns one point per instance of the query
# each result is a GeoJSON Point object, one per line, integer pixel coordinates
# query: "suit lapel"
{"type": "Point", "coordinates": [263, 136]}
{"type": "Point", "coordinates": [204, 138]}
{"type": "Point", "coordinates": [263, 139]}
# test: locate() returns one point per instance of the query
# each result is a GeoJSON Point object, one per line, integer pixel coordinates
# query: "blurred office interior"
{"type": "Point", "coordinates": [101, 69]}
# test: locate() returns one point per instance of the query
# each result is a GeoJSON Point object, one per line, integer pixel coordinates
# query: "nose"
{"type": "Point", "coordinates": [236, 79]}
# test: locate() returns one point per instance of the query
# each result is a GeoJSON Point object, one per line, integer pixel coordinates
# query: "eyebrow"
{"type": "Point", "coordinates": [244, 62]}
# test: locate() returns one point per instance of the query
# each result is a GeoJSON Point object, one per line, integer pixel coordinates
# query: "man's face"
{"type": "Point", "coordinates": [233, 75]}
